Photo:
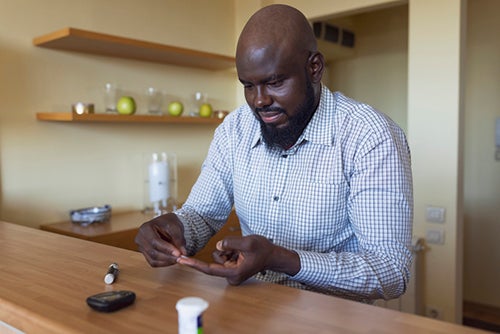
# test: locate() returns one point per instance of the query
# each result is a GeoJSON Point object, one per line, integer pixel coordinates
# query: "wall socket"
{"type": "Point", "coordinates": [434, 236]}
{"type": "Point", "coordinates": [435, 214]}
{"type": "Point", "coordinates": [433, 312]}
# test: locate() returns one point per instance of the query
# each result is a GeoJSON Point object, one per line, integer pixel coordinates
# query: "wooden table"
{"type": "Point", "coordinates": [122, 228]}
{"type": "Point", "coordinates": [46, 277]}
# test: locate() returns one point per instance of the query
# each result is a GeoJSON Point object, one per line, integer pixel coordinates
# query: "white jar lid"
{"type": "Point", "coordinates": [191, 305]}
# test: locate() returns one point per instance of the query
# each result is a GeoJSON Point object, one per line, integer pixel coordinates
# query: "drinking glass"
{"type": "Point", "coordinates": [111, 96]}
{"type": "Point", "coordinates": [197, 99]}
{"type": "Point", "coordinates": [154, 100]}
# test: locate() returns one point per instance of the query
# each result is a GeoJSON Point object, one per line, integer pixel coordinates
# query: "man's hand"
{"type": "Point", "coordinates": [239, 258]}
{"type": "Point", "coordinates": [161, 240]}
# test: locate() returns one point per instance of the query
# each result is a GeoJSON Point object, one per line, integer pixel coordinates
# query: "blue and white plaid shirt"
{"type": "Point", "coordinates": [341, 197]}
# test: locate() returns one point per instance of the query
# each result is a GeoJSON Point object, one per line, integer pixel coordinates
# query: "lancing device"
{"type": "Point", "coordinates": [112, 273]}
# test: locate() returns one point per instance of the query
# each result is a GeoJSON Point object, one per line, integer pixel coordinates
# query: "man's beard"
{"type": "Point", "coordinates": [287, 136]}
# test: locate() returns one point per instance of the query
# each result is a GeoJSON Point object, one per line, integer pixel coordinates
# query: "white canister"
{"type": "Point", "coordinates": [190, 311]}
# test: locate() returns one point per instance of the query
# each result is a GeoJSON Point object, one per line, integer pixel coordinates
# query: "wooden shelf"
{"type": "Point", "coordinates": [85, 41]}
{"type": "Point", "coordinates": [114, 118]}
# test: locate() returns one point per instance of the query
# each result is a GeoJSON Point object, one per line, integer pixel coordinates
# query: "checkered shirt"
{"type": "Point", "coordinates": [341, 197]}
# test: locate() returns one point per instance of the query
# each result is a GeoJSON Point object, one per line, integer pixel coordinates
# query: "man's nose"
{"type": "Point", "coordinates": [262, 98]}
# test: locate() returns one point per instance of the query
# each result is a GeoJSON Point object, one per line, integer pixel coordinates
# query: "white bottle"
{"type": "Point", "coordinates": [159, 182]}
{"type": "Point", "coordinates": [190, 311]}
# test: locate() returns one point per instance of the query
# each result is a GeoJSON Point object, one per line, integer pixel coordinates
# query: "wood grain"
{"type": "Point", "coordinates": [45, 279]}
{"type": "Point", "coordinates": [115, 118]}
{"type": "Point", "coordinates": [73, 39]}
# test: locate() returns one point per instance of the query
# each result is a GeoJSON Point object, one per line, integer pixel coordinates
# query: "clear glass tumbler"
{"type": "Point", "coordinates": [155, 98]}
{"type": "Point", "coordinates": [111, 96]}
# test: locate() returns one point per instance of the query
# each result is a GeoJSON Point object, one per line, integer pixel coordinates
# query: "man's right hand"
{"type": "Point", "coordinates": [161, 240]}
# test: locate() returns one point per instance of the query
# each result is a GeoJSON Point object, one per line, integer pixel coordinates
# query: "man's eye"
{"type": "Point", "coordinates": [275, 83]}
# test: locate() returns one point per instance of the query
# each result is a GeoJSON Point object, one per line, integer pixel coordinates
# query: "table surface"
{"type": "Point", "coordinates": [46, 278]}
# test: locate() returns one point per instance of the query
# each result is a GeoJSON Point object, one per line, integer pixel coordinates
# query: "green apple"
{"type": "Point", "coordinates": [205, 110]}
{"type": "Point", "coordinates": [175, 108]}
{"type": "Point", "coordinates": [126, 105]}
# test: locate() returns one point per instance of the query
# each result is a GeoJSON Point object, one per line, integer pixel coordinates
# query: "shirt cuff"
{"type": "Point", "coordinates": [309, 265]}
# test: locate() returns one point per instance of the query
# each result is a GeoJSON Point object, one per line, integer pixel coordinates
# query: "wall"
{"type": "Point", "coordinates": [327, 8]}
{"type": "Point", "coordinates": [481, 171]}
{"type": "Point", "coordinates": [378, 75]}
{"type": "Point", "coordinates": [432, 74]}
{"type": "Point", "coordinates": [243, 10]}
{"type": "Point", "coordinates": [49, 168]}
{"type": "Point", "coordinates": [435, 108]}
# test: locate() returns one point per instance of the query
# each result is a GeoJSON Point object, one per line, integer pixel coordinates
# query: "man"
{"type": "Point", "coordinates": [321, 183]}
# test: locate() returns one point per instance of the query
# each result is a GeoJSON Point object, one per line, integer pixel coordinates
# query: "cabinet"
{"type": "Point", "coordinates": [79, 40]}
{"type": "Point", "coordinates": [121, 230]}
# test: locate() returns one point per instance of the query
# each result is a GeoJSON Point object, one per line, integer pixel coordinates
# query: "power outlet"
{"type": "Point", "coordinates": [435, 214]}
{"type": "Point", "coordinates": [434, 236]}
{"type": "Point", "coordinates": [433, 312]}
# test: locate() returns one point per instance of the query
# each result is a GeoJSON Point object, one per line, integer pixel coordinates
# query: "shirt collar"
{"type": "Point", "coordinates": [320, 127]}
{"type": "Point", "coordinates": [257, 137]}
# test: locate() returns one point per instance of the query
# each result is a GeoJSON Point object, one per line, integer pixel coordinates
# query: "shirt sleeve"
{"type": "Point", "coordinates": [210, 201]}
{"type": "Point", "coordinates": [380, 210]}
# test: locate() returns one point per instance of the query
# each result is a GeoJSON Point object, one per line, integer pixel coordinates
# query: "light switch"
{"type": "Point", "coordinates": [434, 237]}
{"type": "Point", "coordinates": [435, 214]}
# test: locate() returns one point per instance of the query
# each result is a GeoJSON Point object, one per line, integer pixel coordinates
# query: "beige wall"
{"type": "Point", "coordinates": [378, 74]}
{"type": "Point", "coordinates": [50, 168]}
{"type": "Point", "coordinates": [435, 83]}
{"type": "Point", "coordinates": [328, 8]}
{"type": "Point", "coordinates": [386, 75]}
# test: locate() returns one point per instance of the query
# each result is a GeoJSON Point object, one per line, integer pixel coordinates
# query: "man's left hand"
{"type": "Point", "coordinates": [236, 258]}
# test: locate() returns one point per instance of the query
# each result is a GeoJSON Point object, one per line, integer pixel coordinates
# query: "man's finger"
{"type": "Point", "coordinates": [213, 269]}
{"type": "Point", "coordinates": [231, 243]}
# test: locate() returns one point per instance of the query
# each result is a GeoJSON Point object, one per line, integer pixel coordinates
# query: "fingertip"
{"type": "Point", "coordinates": [184, 260]}
{"type": "Point", "coordinates": [219, 245]}
{"type": "Point", "coordinates": [176, 253]}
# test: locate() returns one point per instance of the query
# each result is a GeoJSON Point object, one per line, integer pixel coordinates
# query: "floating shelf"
{"type": "Point", "coordinates": [72, 39]}
{"type": "Point", "coordinates": [114, 118]}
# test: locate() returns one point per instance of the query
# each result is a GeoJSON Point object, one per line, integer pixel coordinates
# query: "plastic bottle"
{"type": "Point", "coordinates": [190, 311]}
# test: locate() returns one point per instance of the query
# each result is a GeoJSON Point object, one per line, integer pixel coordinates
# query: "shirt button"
{"type": "Point", "coordinates": [276, 198]}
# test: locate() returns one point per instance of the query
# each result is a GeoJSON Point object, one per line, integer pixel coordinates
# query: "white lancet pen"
{"type": "Point", "coordinates": [112, 273]}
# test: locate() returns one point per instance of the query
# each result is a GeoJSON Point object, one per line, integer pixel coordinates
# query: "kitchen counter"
{"type": "Point", "coordinates": [46, 278]}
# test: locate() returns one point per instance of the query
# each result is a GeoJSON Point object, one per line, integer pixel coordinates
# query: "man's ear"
{"type": "Point", "coordinates": [316, 66]}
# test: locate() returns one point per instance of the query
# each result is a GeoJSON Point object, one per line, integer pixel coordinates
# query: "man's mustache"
{"type": "Point", "coordinates": [269, 109]}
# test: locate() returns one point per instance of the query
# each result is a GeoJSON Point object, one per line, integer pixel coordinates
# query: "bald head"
{"type": "Point", "coordinates": [280, 69]}
{"type": "Point", "coordinates": [280, 27]}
